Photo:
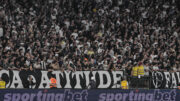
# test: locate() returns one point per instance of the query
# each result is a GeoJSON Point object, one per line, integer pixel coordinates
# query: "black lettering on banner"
{"type": "Point", "coordinates": [165, 79]}
{"type": "Point", "coordinates": [80, 79]}
{"type": "Point", "coordinates": [66, 79]}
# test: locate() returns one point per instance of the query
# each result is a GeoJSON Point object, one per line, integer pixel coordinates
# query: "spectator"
{"type": "Point", "coordinates": [2, 84]}
{"type": "Point", "coordinates": [124, 83]}
{"type": "Point", "coordinates": [55, 65]}
{"type": "Point", "coordinates": [140, 69]}
{"type": "Point", "coordinates": [92, 84]}
{"type": "Point", "coordinates": [146, 69]}
{"type": "Point", "coordinates": [53, 82]}
{"type": "Point", "coordinates": [29, 82]}
{"type": "Point", "coordinates": [37, 65]}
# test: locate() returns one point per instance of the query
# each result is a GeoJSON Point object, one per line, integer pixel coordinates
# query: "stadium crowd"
{"type": "Point", "coordinates": [89, 34]}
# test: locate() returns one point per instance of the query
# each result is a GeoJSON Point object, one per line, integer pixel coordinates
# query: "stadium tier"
{"type": "Point", "coordinates": [89, 43]}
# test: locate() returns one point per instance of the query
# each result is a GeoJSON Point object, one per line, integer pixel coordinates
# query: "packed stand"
{"type": "Point", "coordinates": [89, 34]}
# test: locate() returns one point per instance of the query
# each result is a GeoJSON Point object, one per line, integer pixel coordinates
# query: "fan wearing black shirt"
{"type": "Point", "coordinates": [29, 83]}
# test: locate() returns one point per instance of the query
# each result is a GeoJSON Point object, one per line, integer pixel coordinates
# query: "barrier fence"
{"type": "Point", "coordinates": [89, 95]}
{"type": "Point", "coordinates": [80, 79]}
